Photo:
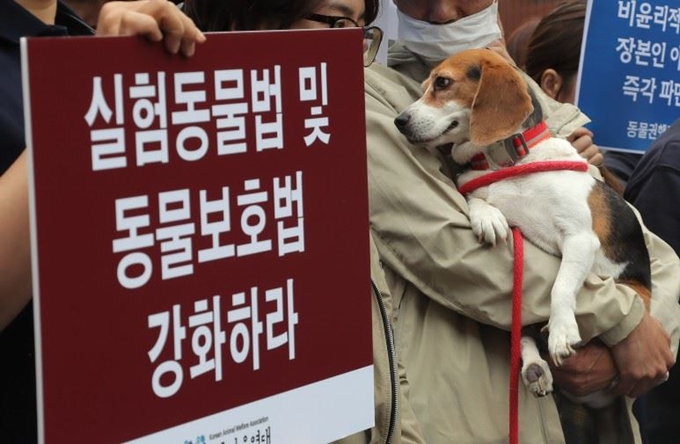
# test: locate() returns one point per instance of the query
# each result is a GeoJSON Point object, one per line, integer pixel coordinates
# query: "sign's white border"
{"type": "Point", "coordinates": [348, 396]}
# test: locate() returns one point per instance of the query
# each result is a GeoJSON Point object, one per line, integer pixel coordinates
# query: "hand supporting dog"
{"type": "Point", "coordinates": [590, 370]}
{"type": "Point", "coordinates": [643, 358]}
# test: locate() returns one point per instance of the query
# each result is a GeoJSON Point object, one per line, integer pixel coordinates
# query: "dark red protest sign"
{"type": "Point", "coordinates": [200, 232]}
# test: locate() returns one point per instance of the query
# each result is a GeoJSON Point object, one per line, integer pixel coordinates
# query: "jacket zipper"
{"type": "Point", "coordinates": [394, 380]}
{"type": "Point", "coordinates": [628, 427]}
{"type": "Point", "coordinates": [541, 413]}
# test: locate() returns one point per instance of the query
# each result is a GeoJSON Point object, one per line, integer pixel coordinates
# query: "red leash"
{"type": "Point", "coordinates": [520, 170]}
{"type": "Point", "coordinates": [518, 272]}
{"type": "Point", "coordinates": [516, 333]}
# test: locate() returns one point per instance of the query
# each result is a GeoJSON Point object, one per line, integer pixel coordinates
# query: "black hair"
{"type": "Point", "coordinates": [240, 15]}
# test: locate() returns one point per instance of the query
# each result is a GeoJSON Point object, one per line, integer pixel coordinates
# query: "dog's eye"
{"type": "Point", "coordinates": [441, 83]}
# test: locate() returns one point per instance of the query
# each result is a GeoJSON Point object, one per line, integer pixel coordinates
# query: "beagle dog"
{"type": "Point", "coordinates": [478, 105]}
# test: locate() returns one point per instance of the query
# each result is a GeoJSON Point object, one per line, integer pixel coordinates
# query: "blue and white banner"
{"type": "Point", "coordinates": [629, 81]}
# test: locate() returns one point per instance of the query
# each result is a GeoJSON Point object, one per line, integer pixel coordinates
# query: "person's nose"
{"type": "Point", "coordinates": [442, 11]}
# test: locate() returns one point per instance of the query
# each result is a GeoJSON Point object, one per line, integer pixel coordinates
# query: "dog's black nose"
{"type": "Point", "coordinates": [401, 121]}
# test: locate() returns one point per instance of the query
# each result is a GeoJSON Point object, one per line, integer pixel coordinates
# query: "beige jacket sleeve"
{"type": "Point", "coordinates": [423, 233]}
{"type": "Point", "coordinates": [665, 284]}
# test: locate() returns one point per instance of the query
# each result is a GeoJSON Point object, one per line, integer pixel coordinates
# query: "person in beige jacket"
{"type": "Point", "coordinates": [452, 295]}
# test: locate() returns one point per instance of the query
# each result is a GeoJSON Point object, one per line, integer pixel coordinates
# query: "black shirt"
{"type": "Point", "coordinates": [654, 186]}
{"type": "Point", "coordinates": [18, 418]}
{"type": "Point", "coordinates": [654, 189]}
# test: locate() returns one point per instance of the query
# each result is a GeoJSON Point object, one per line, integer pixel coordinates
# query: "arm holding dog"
{"type": "Point", "coordinates": [644, 351]}
{"type": "Point", "coordinates": [640, 361]}
{"type": "Point", "coordinates": [642, 358]}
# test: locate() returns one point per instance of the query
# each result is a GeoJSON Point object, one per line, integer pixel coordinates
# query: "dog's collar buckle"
{"type": "Point", "coordinates": [529, 138]}
{"type": "Point", "coordinates": [516, 148]}
{"type": "Point", "coordinates": [512, 150]}
{"type": "Point", "coordinates": [506, 152]}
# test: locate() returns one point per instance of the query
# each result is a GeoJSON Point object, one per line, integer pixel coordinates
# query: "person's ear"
{"type": "Point", "coordinates": [551, 83]}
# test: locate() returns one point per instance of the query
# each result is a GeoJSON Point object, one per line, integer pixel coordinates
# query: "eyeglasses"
{"type": "Point", "coordinates": [372, 34]}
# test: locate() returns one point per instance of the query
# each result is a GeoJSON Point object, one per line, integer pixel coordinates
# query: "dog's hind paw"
{"type": "Point", "coordinates": [537, 377]}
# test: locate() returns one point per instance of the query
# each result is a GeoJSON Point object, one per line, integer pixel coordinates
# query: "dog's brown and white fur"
{"type": "Point", "coordinates": [474, 101]}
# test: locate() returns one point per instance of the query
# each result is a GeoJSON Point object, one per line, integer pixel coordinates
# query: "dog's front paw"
{"type": "Point", "coordinates": [488, 223]}
{"type": "Point", "coordinates": [537, 377]}
{"type": "Point", "coordinates": [563, 336]}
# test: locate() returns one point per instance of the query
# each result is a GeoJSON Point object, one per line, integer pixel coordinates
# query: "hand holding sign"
{"type": "Point", "coordinates": [156, 19]}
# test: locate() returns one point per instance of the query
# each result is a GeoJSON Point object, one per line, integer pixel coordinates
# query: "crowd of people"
{"type": "Point", "coordinates": [447, 296]}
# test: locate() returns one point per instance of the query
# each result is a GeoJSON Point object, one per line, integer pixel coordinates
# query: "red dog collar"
{"type": "Point", "coordinates": [517, 146]}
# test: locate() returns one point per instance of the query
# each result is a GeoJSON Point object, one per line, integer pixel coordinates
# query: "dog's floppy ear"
{"type": "Point", "coordinates": [501, 103]}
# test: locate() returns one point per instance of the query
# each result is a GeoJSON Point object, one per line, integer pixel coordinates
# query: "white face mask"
{"type": "Point", "coordinates": [434, 43]}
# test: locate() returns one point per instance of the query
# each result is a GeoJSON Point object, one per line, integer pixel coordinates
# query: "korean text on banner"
{"type": "Point", "coordinates": [629, 79]}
